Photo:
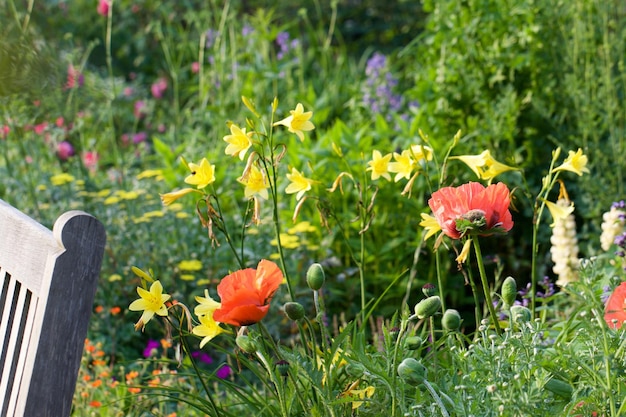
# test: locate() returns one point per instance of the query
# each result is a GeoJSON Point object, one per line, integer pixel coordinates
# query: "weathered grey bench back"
{"type": "Point", "coordinates": [48, 281]}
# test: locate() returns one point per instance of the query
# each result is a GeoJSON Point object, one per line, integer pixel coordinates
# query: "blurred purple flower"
{"type": "Point", "coordinates": [202, 356]}
{"type": "Point", "coordinates": [158, 88]}
{"type": "Point", "coordinates": [139, 137]}
{"type": "Point", "coordinates": [65, 150]}
{"type": "Point", "coordinates": [151, 348]}
{"type": "Point", "coordinates": [247, 30]}
{"type": "Point", "coordinates": [211, 36]}
{"type": "Point", "coordinates": [223, 372]}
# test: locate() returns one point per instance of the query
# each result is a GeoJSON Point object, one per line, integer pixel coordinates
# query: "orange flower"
{"type": "Point", "coordinates": [246, 294]}
{"type": "Point", "coordinates": [615, 311]}
{"type": "Point", "coordinates": [95, 404]}
{"type": "Point", "coordinates": [115, 310]}
{"type": "Point", "coordinates": [472, 207]}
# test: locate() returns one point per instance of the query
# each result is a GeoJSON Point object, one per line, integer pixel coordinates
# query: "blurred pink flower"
{"type": "Point", "coordinates": [90, 160]}
{"type": "Point", "coordinates": [103, 7]}
{"type": "Point", "coordinates": [60, 121]}
{"type": "Point", "coordinates": [139, 110]}
{"type": "Point", "coordinates": [4, 131]}
{"type": "Point", "coordinates": [128, 91]}
{"type": "Point", "coordinates": [151, 348]}
{"type": "Point", "coordinates": [195, 67]}
{"type": "Point", "coordinates": [74, 78]}
{"type": "Point", "coordinates": [159, 87]}
{"type": "Point", "coordinates": [65, 150]}
{"type": "Point", "coordinates": [139, 137]}
{"type": "Point", "coordinates": [40, 128]}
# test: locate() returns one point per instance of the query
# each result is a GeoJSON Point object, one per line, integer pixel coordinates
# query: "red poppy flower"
{"type": "Point", "coordinates": [246, 294]}
{"type": "Point", "coordinates": [615, 312]}
{"type": "Point", "coordinates": [487, 207]}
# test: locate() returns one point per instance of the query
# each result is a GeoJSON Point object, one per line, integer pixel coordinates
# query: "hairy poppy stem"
{"type": "Point", "coordinates": [483, 280]}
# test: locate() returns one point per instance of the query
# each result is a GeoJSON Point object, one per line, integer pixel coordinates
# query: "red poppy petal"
{"type": "Point", "coordinates": [615, 307]}
{"type": "Point", "coordinates": [241, 315]}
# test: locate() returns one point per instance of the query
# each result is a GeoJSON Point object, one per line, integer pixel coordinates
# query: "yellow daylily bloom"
{"type": "Point", "coordinates": [299, 183]}
{"type": "Point", "coordinates": [464, 252]}
{"type": "Point", "coordinates": [430, 224]}
{"type": "Point", "coordinates": [361, 393]}
{"type": "Point", "coordinates": [61, 179]}
{"type": "Point", "coordinates": [403, 165]}
{"type": "Point", "coordinates": [207, 329]}
{"type": "Point", "coordinates": [239, 141]}
{"type": "Point", "coordinates": [206, 305]}
{"type": "Point", "coordinates": [379, 165]}
{"type": "Point", "coordinates": [256, 183]}
{"type": "Point", "coordinates": [484, 165]}
{"type": "Point", "coordinates": [559, 210]}
{"type": "Point", "coordinates": [201, 175]}
{"type": "Point", "coordinates": [169, 198]}
{"type": "Point", "coordinates": [575, 162]}
{"type": "Point", "coordinates": [298, 122]}
{"type": "Point", "coordinates": [420, 152]}
{"type": "Point", "coordinates": [190, 265]}
{"type": "Point", "coordinates": [151, 302]}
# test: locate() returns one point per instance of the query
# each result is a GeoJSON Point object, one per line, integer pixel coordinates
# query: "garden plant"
{"type": "Point", "coordinates": [333, 208]}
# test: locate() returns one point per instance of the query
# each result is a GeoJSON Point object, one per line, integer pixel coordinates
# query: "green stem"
{"type": "Point", "coordinates": [483, 279]}
{"type": "Point", "coordinates": [436, 397]}
{"type": "Point", "coordinates": [477, 311]}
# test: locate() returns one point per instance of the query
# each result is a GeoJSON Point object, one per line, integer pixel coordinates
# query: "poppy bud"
{"type": "Point", "coordinates": [451, 320]}
{"type": "Point", "coordinates": [315, 276]}
{"type": "Point", "coordinates": [294, 311]}
{"type": "Point", "coordinates": [412, 371]}
{"type": "Point", "coordinates": [283, 367]}
{"type": "Point", "coordinates": [429, 289]}
{"type": "Point", "coordinates": [560, 388]}
{"type": "Point", "coordinates": [428, 307]}
{"type": "Point", "coordinates": [246, 344]}
{"type": "Point", "coordinates": [413, 342]}
{"type": "Point", "coordinates": [520, 313]}
{"type": "Point", "coordinates": [355, 370]}
{"type": "Point", "coordinates": [509, 291]}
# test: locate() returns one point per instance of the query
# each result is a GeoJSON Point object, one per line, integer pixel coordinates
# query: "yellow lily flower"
{"type": "Point", "coordinates": [298, 122]}
{"type": "Point", "coordinates": [239, 141]}
{"type": "Point", "coordinates": [379, 165]}
{"type": "Point", "coordinates": [559, 210]}
{"type": "Point", "coordinates": [207, 329]}
{"type": "Point", "coordinates": [484, 165]}
{"type": "Point", "coordinates": [201, 175]}
{"type": "Point", "coordinates": [256, 183]}
{"type": "Point", "coordinates": [206, 305]}
{"type": "Point", "coordinates": [169, 198]}
{"type": "Point", "coordinates": [575, 162]}
{"type": "Point", "coordinates": [420, 152]}
{"type": "Point", "coordinates": [151, 302]}
{"type": "Point", "coordinates": [299, 183]}
{"type": "Point", "coordinates": [430, 224]}
{"type": "Point", "coordinates": [403, 165]}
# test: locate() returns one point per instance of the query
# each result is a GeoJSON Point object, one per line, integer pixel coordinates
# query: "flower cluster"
{"type": "Point", "coordinates": [613, 222]}
{"type": "Point", "coordinates": [564, 242]}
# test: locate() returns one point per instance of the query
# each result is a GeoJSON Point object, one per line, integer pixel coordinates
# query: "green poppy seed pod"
{"type": "Point", "coordinates": [428, 307]}
{"type": "Point", "coordinates": [412, 371]}
{"type": "Point", "coordinates": [246, 344]}
{"type": "Point", "coordinates": [451, 320]}
{"type": "Point", "coordinates": [429, 289]}
{"type": "Point", "coordinates": [560, 388]}
{"type": "Point", "coordinates": [315, 276]}
{"type": "Point", "coordinates": [520, 313]}
{"type": "Point", "coordinates": [413, 342]}
{"type": "Point", "coordinates": [294, 311]}
{"type": "Point", "coordinates": [355, 370]}
{"type": "Point", "coordinates": [509, 291]}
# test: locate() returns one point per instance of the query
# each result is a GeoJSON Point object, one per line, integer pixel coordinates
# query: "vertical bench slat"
{"type": "Point", "coordinates": [49, 279]}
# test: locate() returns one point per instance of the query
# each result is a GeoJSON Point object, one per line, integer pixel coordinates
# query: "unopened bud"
{"type": "Point", "coordinates": [246, 344]}
{"type": "Point", "coordinates": [520, 313]}
{"type": "Point", "coordinates": [428, 307]}
{"type": "Point", "coordinates": [429, 289]}
{"type": "Point", "coordinates": [451, 320]}
{"type": "Point", "coordinates": [294, 311]}
{"type": "Point", "coordinates": [282, 367]}
{"type": "Point", "coordinates": [412, 371]}
{"type": "Point", "coordinates": [315, 276]}
{"type": "Point", "coordinates": [413, 342]}
{"type": "Point", "coordinates": [509, 291]}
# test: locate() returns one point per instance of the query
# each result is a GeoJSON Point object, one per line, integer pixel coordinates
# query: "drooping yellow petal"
{"type": "Point", "coordinates": [559, 210]}
{"type": "Point", "coordinates": [464, 252]}
{"type": "Point", "coordinates": [169, 198]}
{"type": "Point", "coordinates": [575, 162]}
{"type": "Point", "coordinates": [430, 224]}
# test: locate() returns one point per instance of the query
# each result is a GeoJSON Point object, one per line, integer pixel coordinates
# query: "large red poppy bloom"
{"type": "Point", "coordinates": [246, 294]}
{"type": "Point", "coordinates": [615, 311]}
{"type": "Point", "coordinates": [471, 200]}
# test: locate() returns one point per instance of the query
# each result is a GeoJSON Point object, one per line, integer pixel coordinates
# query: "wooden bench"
{"type": "Point", "coordinates": [49, 280]}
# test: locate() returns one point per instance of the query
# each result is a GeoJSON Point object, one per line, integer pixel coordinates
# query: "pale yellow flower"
{"type": "Point", "coordinates": [298, 122]}
{"type": "Point", "coordinates": [420, 152]}
{"type": "Point", "coordinates": [206, 305]}
{"type": "Point", "coordinates": [575, 162]}
{"type": "Point", "coordinates": [361, 393]}
{"type": "Point", "coordinates": [379, 165]}
{"type": "Point", "coordinates": [430, 224]}
{"type": "Point", "coordinates": [403, 165]}
{"type": "Point", "coordinates": [190, 265]}
{"type": "Point", "coordinates": [207, 329]}
{"type": "Point", "coordinates": [559, 211]}
{"type": "Point", "coordinates": [201, 175]}
{"type": "Point", "coordinates": [256, 183]}
{"type": "Point", "coordinates": [484, 165]}
{"type": "Point", "coordinates": [151, 302]}
{"type": "Point", "coordinates": [61, 179]}
{"type": "Point", "coordinates": [169, 198]}
{"type": "Point", "coordinates": [239, 141]}
{"type": "Point", "coordinates": [299, 183]}
{"type": "Point", "coordinates": [464, 252]}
